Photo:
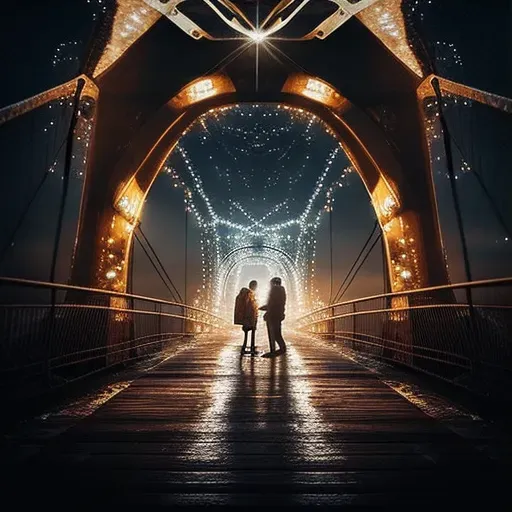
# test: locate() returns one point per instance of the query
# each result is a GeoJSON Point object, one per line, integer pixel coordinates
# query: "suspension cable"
{"type": "Point", "coordinates": [66, 176]}
{"type": "Point", "coordinates": [360, 265]}
{"type": "Point", "coordinates": [356, 260]}
{"type": "Point", "coordinates": [331, 276]}
{"type": "Point", "coordinates": [447, 140]}
{"type": "Point", "coordinates": [492, 203]}
{"type": "Point", "coordinates": [177, 293]}
{"type": "Point", "coordinates": [156, 268]}
{"type": "Point", "coordinates": [26, 210]}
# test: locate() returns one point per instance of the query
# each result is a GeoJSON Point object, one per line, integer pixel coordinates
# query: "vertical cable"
{"type": "Point", "coordinates": [451, 175]}
{"type": "Point", "coordinates": [458, 214]}
{"type": "Point", "coordinates": [60, 219]}
{"type": "Point", "coordinates": [186, 256]}
{"type": "Point", "coordinates": [131, 264]}
{"type": "Point", "coordinates": [385, 272]}
{"type": "Point", "coordinates": [330, 255]}
{"type": "Point", "coordinates": [65, 178]}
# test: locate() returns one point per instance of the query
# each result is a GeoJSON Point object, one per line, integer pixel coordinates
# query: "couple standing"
{"type": "Point", "coordinates": [246, 315]}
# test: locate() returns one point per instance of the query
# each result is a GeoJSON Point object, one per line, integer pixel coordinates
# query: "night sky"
{"type": "Point", "coordinates": [241, 160]}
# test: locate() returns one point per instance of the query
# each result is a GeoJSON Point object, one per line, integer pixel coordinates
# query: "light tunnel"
{"type": "Point", "coordinates": [370, 100]}
{"type": "Point", "coordinates": [230, 276]}
{"type": "Point", "coordinates": [382, 176]}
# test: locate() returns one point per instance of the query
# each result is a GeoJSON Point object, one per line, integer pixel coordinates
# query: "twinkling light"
{"type": "Point", "coordinates": [69, 51]}
{"type": "Point", "coordinates": [132, 18]}
{"type": "Point", "coordinates": [388, 22]}
{"type": "Point", "coordinates": [400, 25]}
{"type": "Point", "coordinates": [433, 130]}
{"type": "Point", "coordinates": [420, 19]}
{"type": "Point", "coordinates": [257, 180]}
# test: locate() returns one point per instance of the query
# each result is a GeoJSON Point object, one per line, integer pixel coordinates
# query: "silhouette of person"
{"type": "Point", "coordinates": [246, 314]}
{"type": "Point", "coordinates": [274, 315]}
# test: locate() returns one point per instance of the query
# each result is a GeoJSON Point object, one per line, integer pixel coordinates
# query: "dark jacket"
{"type": "Point", "coordinates": [246, 309]}
{"type": "Point", "coordinates": [276, 303]}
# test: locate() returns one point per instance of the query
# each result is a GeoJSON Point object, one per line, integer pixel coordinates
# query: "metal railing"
{"type": "Point", "coordinates": [55, 333]}
{"type": "Point", "coordinates": [461, 333]}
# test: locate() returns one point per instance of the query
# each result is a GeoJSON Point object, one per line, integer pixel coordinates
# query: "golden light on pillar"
{"type": "Point", "coordinates": [112, 268]}
{"type": "Point", "coordinates": [120, 306]}
{"type": "Point", "coordinates": [401, 304]}
{"type": "Point", "coordinates": [129, 203]}
{"type": "Point", "coordinates": [111, 274]}
{"type": "Point", "coordinates": [400, 230]}
{"type": "Point", "coordinates": [385, 200]}
{"type": "Point", "coordinates": [317, 90]}
{"type": "Point", "coordinates": [403, 255]}
{"type": "Point", "coordinates": [202, 89]}
{"type": "Point", "coordinates": [314, 89]}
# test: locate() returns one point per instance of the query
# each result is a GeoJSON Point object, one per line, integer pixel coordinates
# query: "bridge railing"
{"type": "Point", "coordinates": [461, 333]}
{"type": "Point", "coordinates": [55, 333]}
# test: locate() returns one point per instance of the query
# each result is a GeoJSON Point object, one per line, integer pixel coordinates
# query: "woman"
{"type": "Point", "coordinates": [246, 314]}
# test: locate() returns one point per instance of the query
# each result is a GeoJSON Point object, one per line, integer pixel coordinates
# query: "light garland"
{"type": "Point", "coordinates": [230, 220]}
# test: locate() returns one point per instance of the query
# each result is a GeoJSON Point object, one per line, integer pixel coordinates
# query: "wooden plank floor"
{"type": "Point", "coordinates": [207, 427]}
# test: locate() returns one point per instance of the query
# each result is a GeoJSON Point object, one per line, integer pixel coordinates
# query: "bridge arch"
{"type": "Point", "coordinates": [242, 255]}
{"type": "Point", "coordinates": [289, 279]}
{"type": "Point", "coordinates": [256, 247]}
{"type": "Point", "coordinates": [108, 218]}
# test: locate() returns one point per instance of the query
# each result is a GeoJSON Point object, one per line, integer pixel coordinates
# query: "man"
{"type": "Point", "coordinates": [274, 315]}
{"type": "Point", "coordinates": [246, 314]}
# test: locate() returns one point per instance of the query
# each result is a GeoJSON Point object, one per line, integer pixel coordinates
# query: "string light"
{"type": "Point", "coordinates": [234, 165]}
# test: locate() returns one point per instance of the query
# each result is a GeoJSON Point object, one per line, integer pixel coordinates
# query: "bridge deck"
{"type": "Point", "coordinates": [310, 427]}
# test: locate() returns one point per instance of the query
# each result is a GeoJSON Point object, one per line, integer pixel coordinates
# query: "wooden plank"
{"type": "Point", "coordinates": [209, 428]}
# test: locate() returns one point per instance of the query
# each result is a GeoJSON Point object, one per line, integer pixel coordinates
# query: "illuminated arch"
{"type": "Point", "coordinates": [371, 98]}
{"type": "Point", "coordinates": [256, 247]}
{"type": "Point", "coordinates": [406, 232]}
{"type": "Point", "coordinates": [244, 253]}
{"type": "Point", "coordinates": [288, 277]}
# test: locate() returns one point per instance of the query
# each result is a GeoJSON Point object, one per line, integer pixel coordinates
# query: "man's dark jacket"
{"type": "Point", "coordinates": [275, 304]}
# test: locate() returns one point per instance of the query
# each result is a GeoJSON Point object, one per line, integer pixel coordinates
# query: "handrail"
{"type": "Point", "coordinates": [61, 286]}
{"type": "Point", "coordinates": [402, 310]}
{"type": "Point", "coordinates": [472, 284]}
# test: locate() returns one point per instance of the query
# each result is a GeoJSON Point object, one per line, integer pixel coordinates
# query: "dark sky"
{"type": "Point", "coordinates": [34, 31]}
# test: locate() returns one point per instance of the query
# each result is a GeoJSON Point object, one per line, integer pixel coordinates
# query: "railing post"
{"type": "Point", "coordinates": [332, 325]}
{"type": "Point", "coordinates": [50, 328]}
{"type": "Point", "coordinates": [476, 338]}
{"type": "Point", "coordinates": [160, 319]}
{"type": "Point", "coordinates": [133, 349]}
{"type": "Point", "coordinates": [354, 310]}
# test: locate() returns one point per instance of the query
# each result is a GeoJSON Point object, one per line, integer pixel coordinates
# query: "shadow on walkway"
{"type": "Point", "coordinates": [207, 427]}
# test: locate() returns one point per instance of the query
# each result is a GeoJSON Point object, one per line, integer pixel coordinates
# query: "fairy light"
{"type": "Point", "coordinates": [131, 20]}
{"type": "Point", "coordinates": [433, 133]}
{"type": "Point", "coordinates": [229, 218]}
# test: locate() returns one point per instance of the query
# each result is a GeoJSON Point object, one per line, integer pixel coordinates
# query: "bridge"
{"type": "Point", "coordinates": [194, 146]}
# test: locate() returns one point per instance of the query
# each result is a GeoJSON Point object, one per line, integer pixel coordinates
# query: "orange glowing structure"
{"type": "Point", "coordinates": [369, 101]}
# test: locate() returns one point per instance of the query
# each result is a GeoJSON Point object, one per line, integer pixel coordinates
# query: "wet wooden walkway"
{"type": "Point", "coordinates": [207, 427]}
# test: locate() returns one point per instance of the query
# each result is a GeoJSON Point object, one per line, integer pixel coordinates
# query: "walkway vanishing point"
{"type": "Point", "coordinates": [206, 427]}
